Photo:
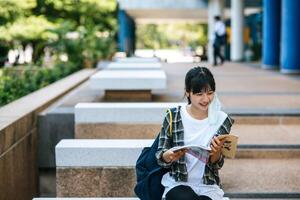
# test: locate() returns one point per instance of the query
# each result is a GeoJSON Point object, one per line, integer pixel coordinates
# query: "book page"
{"type": "Point", "coordinates": [200, 152]}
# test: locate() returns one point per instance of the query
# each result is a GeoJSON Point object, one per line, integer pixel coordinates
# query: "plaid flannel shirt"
{"type": "Point", "coordinates": [178, 169]}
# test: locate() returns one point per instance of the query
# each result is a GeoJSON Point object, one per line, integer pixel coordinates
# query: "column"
{"type": "Point", "coordinates": [215, 7]}
{"type": "Point", "coordinates": [271, 34]}
{"type": "Point", "coordinates": [237, 27]}
{"type": "Point", "coordinates": [126, 33]}
{"type": "Point", "coordinates": [290, 37]}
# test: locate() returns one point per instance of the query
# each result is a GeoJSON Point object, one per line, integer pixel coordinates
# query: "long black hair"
{"type": "Point", "coordinates": [199, 79]}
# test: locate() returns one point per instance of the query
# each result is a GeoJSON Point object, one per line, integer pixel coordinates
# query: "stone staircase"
{"type": "Point", "coordinates": [266, 164]}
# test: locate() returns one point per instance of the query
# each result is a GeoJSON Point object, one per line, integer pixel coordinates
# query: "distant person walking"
{"type": "Point", "coordinates": [219, 39]}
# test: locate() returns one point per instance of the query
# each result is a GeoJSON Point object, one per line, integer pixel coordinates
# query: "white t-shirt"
{"type": "Point", "coordinates": [196, 132]}
{"type": "Point", "coordinates": [220, 28]}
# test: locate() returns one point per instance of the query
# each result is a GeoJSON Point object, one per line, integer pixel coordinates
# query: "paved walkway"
{"type": "Point", "coordinates": [243, 90]}
{"type": "Point", "coordinates": [240, 88]}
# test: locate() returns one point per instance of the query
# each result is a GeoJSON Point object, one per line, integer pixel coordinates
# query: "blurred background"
{"type": "Point", "coordinates": [44, 40]}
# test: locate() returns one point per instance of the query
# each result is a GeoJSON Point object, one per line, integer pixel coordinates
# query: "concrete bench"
{"type": "Point", "coordinates": [120, 120]}
{"type": "Point", "coordinates": [129, 85]}
{"type": "Point", "coordinates": [100, 168]}
{"type": "Point", "coordinates": [106, 168]}
{"type": "Point", "coordinates": [137, 60]}
{"type": "Point", "coordinates": [133, 66]}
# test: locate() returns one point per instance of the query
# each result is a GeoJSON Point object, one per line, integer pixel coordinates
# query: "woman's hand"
{"type": "Point", "coordinates": [170, 156]}
{"type": "Point", "coordinates": [216, 147]}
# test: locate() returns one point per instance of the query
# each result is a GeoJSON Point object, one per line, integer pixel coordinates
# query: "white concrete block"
{"type": "Point", "coordinates": [98, 153]}
{"type": "Point", "coordinates": [133, 66]}
{"type": "Point", "coordinates": [134, 113]}
{"type": "Point", "coordinates": [129, 80]}
{"type": "Point", "coordinates": [137, 60]}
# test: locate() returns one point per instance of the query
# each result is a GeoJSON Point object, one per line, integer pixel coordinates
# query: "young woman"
{"type": "Point", "coordinates": [196, 123]}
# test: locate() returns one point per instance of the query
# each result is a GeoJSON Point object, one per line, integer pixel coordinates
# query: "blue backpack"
{"type": "Point", "coordinates": [149, 173]}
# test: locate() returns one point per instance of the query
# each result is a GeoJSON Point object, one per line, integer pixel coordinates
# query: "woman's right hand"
{"type": "Point", "coordinates": [170, 156]}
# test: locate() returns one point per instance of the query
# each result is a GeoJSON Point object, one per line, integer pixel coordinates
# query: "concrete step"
{"type": "Point", "coordinates": [113, 162]}
{"type": "Point", "coordinates": [265, 178]}
{"type": "Point", "coordinates": [265, 119]}
{"type": "Point", "coordinates": [267, 134]}
{"type": "Point", "coordinates": [267, 141]}
{"type": "Point", "coordinates": [275, 153]}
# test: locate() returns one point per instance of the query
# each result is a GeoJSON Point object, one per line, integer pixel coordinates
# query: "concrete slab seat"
{"type": "Point", "coordinates": [105, 168]}
{"type": "Point", "coordinates": [136, 60]}
{"type": "Point", "coordinates": [120, 120]}
{"type": "Point", "coordinates": [100, 168]}
{"type": "Point", "coordinates": [133, 66]}
{"type": "Point", "coordinates": [129, 85]}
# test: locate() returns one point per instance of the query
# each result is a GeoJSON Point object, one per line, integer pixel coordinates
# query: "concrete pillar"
{"type": "Point", "coordinates": [237, 26]}
{"type": "Point", "coordinates": [126, 33]}
{"type": "Point", "coordinates": [290, 37]}
{"type": "Point", "coordinates": [215, 7]}
{"type": "Point", "coordinates": [271, 34]}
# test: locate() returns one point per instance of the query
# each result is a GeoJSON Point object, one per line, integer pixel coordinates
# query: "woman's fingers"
{"type": "Point", "coordinates": [170, 156]}
{"type": "Point", "coordinates": [177, 155]}
{"type": "Point", "coordinates": [213, 149]}
{"type": "Point", "coordinates": [217, 144]}
{"type": "Point", "coordinates": [213, 143]}
{"type": "Point", "coordinates": [217, 141]}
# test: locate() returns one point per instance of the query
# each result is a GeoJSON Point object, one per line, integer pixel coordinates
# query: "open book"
{"type": "Point", "coordinates": [202, 152]}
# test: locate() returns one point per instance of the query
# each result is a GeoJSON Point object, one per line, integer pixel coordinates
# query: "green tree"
{"type": "Point", "coordinates": [100, 12]}
{"type": "Point", "coordinates": [153, 36]}
{"type": "Point", "coordinates": [11, 10]}
{"type": "Point", "coordinates": [93, 20]}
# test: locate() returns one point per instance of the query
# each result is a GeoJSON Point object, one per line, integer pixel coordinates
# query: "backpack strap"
{"type": "Point", "coordinates": [171, 122]}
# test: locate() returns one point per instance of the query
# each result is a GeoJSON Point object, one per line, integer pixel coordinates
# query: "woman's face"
{"type": "Point", "coordinates": [202, 99]}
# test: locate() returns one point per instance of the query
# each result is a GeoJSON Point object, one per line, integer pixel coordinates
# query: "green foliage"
{"type": "Point", "coordinates": [89, 43]}
{"type": "Point", "coordinates": [150, 37]}
{"type": "Point", "coordinates": [18, 82]}
{"type": "Point", "coordinates": [49, 23]}
{"type": "Point", "coordinates": [33, 28]}
{"type": "Point", "coordinates": [153, 36]}
{"type": "Point", "coordinates": [81, 12]}
{"type": "Point", "coordinates": [10, 10]}
{"type": "Point", "coordinates": [29, 21]}
{"type": "Point", "coordinates": [93, 21]}
{"type": "Point", "coordinates": [95, 44]}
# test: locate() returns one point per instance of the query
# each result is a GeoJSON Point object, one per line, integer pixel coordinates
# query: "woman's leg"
{"type": "Point", "coordinates": [182, 192]}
